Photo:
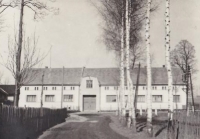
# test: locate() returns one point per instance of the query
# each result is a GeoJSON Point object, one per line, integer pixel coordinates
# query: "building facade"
{"type": "Point", "coordinates": [96, 89]}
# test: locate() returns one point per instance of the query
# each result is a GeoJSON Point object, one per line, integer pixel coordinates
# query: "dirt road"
{"type": "Point", "coordinates": [93, 126]}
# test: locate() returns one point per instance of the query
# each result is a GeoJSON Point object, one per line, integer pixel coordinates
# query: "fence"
{"type": "Point", "coordinates": [186, 127]}
{"type": "Point", "coordinates": [35, 119]}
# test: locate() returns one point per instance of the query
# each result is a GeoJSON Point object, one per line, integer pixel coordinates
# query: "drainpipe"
{"type": "Point", "coordinates": [62, 88]}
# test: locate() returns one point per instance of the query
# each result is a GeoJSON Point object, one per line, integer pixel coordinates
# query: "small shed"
{"type": "Point", "coordinates": [3, 95]}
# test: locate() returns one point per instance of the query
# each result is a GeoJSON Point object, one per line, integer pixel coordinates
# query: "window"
{"type": "Point", "coordinates": [111, 98]}
{"type": "Point", "coordinates": [45, 88]}
{"type": "Point", "coordinates": [31, 98]}
{"type": "Point", "coordinates": [141, 98]}
{"type": "Point", "coordinates": [154, 88]}
{"type": "Point", "coordinates": [106, 88]}
{"type": "Point", "coordinates": [72, 87]}
{"type": "Point", "coordinates": [64, 88]}
{"type": "Point", "coordinates": [26, 88]}
{"type": "Point", "coordinates": [164, 88]}
{"type": "Point", "coordinates": [176, 98]}
{"type": "Point", "coordinates": [89, 83]}
{"type": "Point", "coordinates": [36, 88]}
{"type": "Point", "coordinates": [53, 88]}
{"type": "Point", "coordinates": [157, 98]}
{"type": "Point", "coordinates": [144, 88]}
{"type": "Point", "coordinates": [49, 98]}
{"type": "Point", "coordinates": [134, 88]}
{"type": "Point", "coordinates": [126, 88]}
{"type": "Point", "coordinates": [115, 88]}
{"type": "Point", "coordinates": [68, 98]}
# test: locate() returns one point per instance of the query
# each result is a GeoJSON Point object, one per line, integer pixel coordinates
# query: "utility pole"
{"type": "Point", "coordinates": [62, 88]}
{"type": "Point", "coordinates": [136, 89]}
{"type": "Point", "coordinates": [41, 100]}
{"type": "Point", "coordinates": [187, 79]}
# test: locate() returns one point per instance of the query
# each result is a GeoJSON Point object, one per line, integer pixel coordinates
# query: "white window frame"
{"type": "Point", "coordinates": [110, 100]}
{"type": "Point", "coordinates": [179, 100]}
{"type": "Point", "coordinates": [53, 100]}
{"type": "Point", "coordinates": [156, 100]}
{"type": "Point", "coordinates": [29, 100]}
{"type": "Point", "coordinates": [68, 99]}
{"type": "Point", "coordinates": [89, 84]}
{"type": "Point", "coordinates": [138, 100]}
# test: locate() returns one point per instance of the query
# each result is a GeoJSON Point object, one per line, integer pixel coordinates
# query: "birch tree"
{"type": "Point", "coordinates": [168, 63]}
{"type": "Point", "coordinates": [122, 93]}
{"type": "Point", "coordinates": [131, 118]}
{"type": "Point", "coordinates": [148, 59]}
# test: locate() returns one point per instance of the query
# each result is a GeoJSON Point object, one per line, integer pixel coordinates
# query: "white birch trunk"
{"type": "Point", "coordinates": [122, 98]}
{"type": "Point", "coordinates": [127, 60]}
{"type": "Point", "coordinates": [149, 96]}
{"type": "Point", "coordinates": [167, 58]}
{"type": "Point", "coordinates": [131, 118]}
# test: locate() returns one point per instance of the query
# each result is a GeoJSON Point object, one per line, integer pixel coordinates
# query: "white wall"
{"type": "Point", "coordinates": [99, 92]}
{"type": "Point", "coordinates": [89, 91]}
{"type": "Point", "coordinates": [57, 99]}
{"type": "Point", "coordinates": [106, 106]}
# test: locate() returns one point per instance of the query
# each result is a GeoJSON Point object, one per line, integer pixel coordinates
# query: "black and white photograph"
{"type": "Point", "coordinates": [99, 69]}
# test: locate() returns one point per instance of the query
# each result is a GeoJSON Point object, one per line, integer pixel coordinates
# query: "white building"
{"type": "Point", "coordinates": [96, 88]}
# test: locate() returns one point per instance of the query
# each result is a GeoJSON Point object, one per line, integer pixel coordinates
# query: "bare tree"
{"type": "Point", "coordinates": [31, 57]}
{"type": "Point", "coordinates": [1, 77]}
{"type": "Point", "coordinates": [183, 56]}
{"type": "Point", "coordinates": [111, 12]}
{"type": "Point", "coordinates": [40, 9]}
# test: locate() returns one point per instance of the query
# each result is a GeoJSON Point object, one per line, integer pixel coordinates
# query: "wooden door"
{"type": "Point", "coordinates": [89, 103]}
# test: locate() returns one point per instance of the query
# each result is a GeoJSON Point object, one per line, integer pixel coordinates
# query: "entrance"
{"type": "Point", "coordinates": [89, 102]}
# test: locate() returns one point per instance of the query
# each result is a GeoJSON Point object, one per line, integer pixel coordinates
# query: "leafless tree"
{"type": "Point", "coordinates": [40, 9]}
{"type": "Point", "coordinates": [1, 77]}
{"type": "Point", "coordinates": [183, 56]}
{"type": "Point", "coordinates": [30, 58]}
{"type": "Point", "coordinates": [111, 12]}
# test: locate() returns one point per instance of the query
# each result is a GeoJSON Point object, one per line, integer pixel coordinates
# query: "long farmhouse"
{"type": "Point", "coordinates": [96, 88]}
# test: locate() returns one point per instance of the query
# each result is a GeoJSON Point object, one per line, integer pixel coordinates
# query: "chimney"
{"type": "Point", "coordinates": [163, 66]}
{"type": "Point", "coordinates": [46, 67]}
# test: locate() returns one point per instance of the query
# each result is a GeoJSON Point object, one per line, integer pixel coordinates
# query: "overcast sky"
{"type": "Point", "coordinates": [75, 33]}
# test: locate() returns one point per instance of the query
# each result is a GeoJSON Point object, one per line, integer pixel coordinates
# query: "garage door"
{"type": "Point", "coordinates": [89, 103]}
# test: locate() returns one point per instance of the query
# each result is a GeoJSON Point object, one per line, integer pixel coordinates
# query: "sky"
{"type": "Point", "coordinates": [75, 33]}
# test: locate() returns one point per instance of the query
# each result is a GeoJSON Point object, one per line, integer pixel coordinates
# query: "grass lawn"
{"type": "Point", "coordinates": [159, 127]}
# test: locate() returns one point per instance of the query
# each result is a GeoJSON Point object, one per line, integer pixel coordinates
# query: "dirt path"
{"type": "Point", "coordinates": [85, 126]}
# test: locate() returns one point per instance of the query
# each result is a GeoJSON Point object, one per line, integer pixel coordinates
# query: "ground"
{"type": "Point", "coordinates": [102, 126]}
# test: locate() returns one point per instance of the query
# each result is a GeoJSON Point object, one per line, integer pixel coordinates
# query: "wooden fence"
{"type": "Point", "coordinates": [37, 119]}
{"type": "Point", "coordinates": [186, 126]}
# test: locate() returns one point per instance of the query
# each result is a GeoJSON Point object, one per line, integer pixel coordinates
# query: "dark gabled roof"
{"type": "Point", "coordinates": [54, 76]}
{"type": "Point", "coordinates": [105, 76]}
{"type": "Point", "coordinates": [9, 89]}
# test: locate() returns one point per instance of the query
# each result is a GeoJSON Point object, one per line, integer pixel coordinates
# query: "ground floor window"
{"type": "Point", "coordinates": [157, 98]}
{"type": "Point", "coordinates": [176, 98]}
{"type": "Point", "coordinates": [68, 98]}
{"type": "Point", "coordinates": [141, 98]}
{"type": "Point", "coordinates": [31, 98]}
{"type": "Point", "coordinates": [111, 98]}
{"type": "Point", "coordinates": [49, 98]}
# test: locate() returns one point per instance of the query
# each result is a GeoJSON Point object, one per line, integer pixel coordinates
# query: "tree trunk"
{"type": "Point", "coordinates": [122, 98]}
{"type": "Point", "coordinates": [127, 61]}
{"type": "Point", "coordinates": [149, 97]}
{"type": "Point", "coordinates": [169, 71]}
{"type": "Point", "coordinates": [18, 56]}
